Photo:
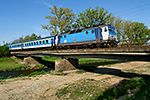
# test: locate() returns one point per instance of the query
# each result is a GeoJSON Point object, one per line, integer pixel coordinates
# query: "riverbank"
{"type": "Point", "coordinates": [15, 64]}
{"type": "Point", "coordinates": [10, 64]}
{"type": "Point", "coordinates": [81, 84]}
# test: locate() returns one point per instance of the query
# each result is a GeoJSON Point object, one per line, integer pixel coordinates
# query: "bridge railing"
{"type": "Point", "coordinates": [134, 43]}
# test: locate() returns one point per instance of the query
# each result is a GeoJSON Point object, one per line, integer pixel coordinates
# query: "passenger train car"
{"type": "Point", "coordinates": [38, 43]}
{"type": "Point", "coordinates": [102, 34]}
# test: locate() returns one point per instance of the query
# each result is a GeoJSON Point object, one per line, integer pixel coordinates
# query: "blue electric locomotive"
{"type": "Point", "coordinates": [103, 34]}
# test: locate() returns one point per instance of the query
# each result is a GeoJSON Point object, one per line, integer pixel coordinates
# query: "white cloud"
{"type": "Point", "coordinates": [41, 2]}
{"type": "Point", "coordinates": [47, 4]}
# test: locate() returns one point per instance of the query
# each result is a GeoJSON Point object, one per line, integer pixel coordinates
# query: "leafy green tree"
{"type": "Point", "coordinates": [27, 38]}
{"type": "Point", "coordinates": [91, 17]}
{"type": "Point", "coordinates": [140, 30]}
{"type": "Point", "coordinates": [135, 31]}
{"type": "Point", "coordinates": [127, 30]}
{"type": "Point", "coordinates": [34, 36]}
{"type": "Point", "coordinates": [118, 24]}
{"type": "Point", "coordinates": [61, 20]}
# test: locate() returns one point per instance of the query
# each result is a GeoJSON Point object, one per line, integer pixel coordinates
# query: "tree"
{"type": "Point", "coordinates": [27, 38]}
{"type": "Point", "coordinates": [4, 51]}
{"type": "Point", "coordinates": [34, 36]}
{"type": "Point", "coordinates": [91, 17]}
{"type": "Point", "coordinates": [127, 30]}
{"type": "Point", "coordinates": [140, 30]}
{"type": "Point", "coordinates": [61, 20]}
{"type": "Point", "coordinates": [118, 24]}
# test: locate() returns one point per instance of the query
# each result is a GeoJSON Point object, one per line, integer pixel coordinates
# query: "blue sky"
{"type": "Point", "coordinates": [24, 17]}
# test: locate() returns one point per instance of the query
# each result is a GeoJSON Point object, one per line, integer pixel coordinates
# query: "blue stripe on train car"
{"type": "Point", "coordinates": [78, 37]}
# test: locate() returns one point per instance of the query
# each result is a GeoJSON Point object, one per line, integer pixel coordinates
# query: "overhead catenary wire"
{"type": "Point", "coordinates": [134, 9]}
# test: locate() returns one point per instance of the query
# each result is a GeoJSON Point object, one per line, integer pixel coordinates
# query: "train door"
{"type": "Point", "coordinates": [51, 42]}
{"type": "Point", "coordinates": [56, 40]}
{"type": "Point", "coordinates": [105, 33]}
{"type": "Point", "coordinates": [98, 34]}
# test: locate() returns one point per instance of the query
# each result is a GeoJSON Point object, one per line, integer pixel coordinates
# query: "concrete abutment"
{"type": "Point", "coordinates": [66, 64]}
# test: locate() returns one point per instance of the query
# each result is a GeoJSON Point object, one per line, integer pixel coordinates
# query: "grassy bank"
{"type": "Point", "coordinates": [8, 63]}
{"type": "Point", "coordinates": [137, 88]}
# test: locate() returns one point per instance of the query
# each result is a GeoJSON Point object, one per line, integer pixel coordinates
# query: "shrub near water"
{"type": "Point", "coordinates": [37, 73]}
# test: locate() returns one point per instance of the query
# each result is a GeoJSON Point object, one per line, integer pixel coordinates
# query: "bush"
{"type": "Point", "coordinates": [4, 51]}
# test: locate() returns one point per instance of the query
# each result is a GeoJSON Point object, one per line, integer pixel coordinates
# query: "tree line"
{"type": "Point", "coordinates": [26, 38]}
{"type": "Point", "coordinates": [64, 20]}
{"type": "Point", "coordinates": [4, 50]}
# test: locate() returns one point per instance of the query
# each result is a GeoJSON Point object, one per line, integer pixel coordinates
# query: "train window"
{"type": "Point", "coordinates": [110, 29]}
{"type": "Point", "coordinates": [40, 42]}
{"type": "Point", "coordinates": [43, 42]}
{"type": "Point", "coordinates": [31, 43]}
{"type": "Point", "coordinates": [105, 29]}
{"type": "Point", "coordinates": [92, 31]}
{"type": "Point", "coordinates": [46, 41]}
{"type": "Point", "coordinates": [86, 32]}
{"type": "Point", "coordinates": [61, 37]}
{"type": "Point", "coordinates": [64, 36]}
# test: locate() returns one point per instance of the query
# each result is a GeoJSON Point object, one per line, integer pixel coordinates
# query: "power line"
{"type": "Point", "coordinates": [132, 8]}
{"type": "Point", "coordinates": [135, 11]}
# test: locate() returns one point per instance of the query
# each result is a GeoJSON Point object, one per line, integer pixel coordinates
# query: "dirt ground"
{"type": "Point", "coordinates": [44, 87]}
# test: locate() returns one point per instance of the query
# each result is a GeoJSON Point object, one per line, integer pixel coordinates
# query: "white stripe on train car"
{"type": "Point", "coordinates": [17, 48]}
{"type": "Point", "coordinates": [37, 46]}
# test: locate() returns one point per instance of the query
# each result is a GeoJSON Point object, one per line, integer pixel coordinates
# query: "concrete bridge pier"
{"type": "Point", "coordinates": [66, 64]}
{"type": "Point", "coordinates": [32, 60]}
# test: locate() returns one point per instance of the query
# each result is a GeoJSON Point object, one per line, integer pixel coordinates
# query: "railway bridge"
{"type": "Point", "coordinates": [138, 53]}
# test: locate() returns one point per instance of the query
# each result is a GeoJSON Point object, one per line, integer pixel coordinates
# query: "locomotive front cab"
{"type": "Point", "coordinates": [112, 33]}
{"type": "Point", "coordinates": [109, 33]}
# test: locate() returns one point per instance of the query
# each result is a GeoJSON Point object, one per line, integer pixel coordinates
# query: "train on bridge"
{"type": "Point", "coordinates": [99, 36]}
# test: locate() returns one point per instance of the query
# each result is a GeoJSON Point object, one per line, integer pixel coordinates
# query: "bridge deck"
{"type": "Point", "coordinates": [136, 53]}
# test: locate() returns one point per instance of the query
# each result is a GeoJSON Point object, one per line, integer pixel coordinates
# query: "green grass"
{"type": "Point", "coordinates": [137, 88]}
{"type": "Point", "coordinates": [80, 71]}
{"type": "Point", "coordinates": [81, 60]}
{"type": "Point", "coordinates": [85, 60]}
{"type": "Point", "coordinates": [82, 89]}
{"type": "Point", "coordinates": [51, 59]}
{"type": "Point", "coordinates": [8, 63]}
{"type": "Point", "coordinates": [37, 73]}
